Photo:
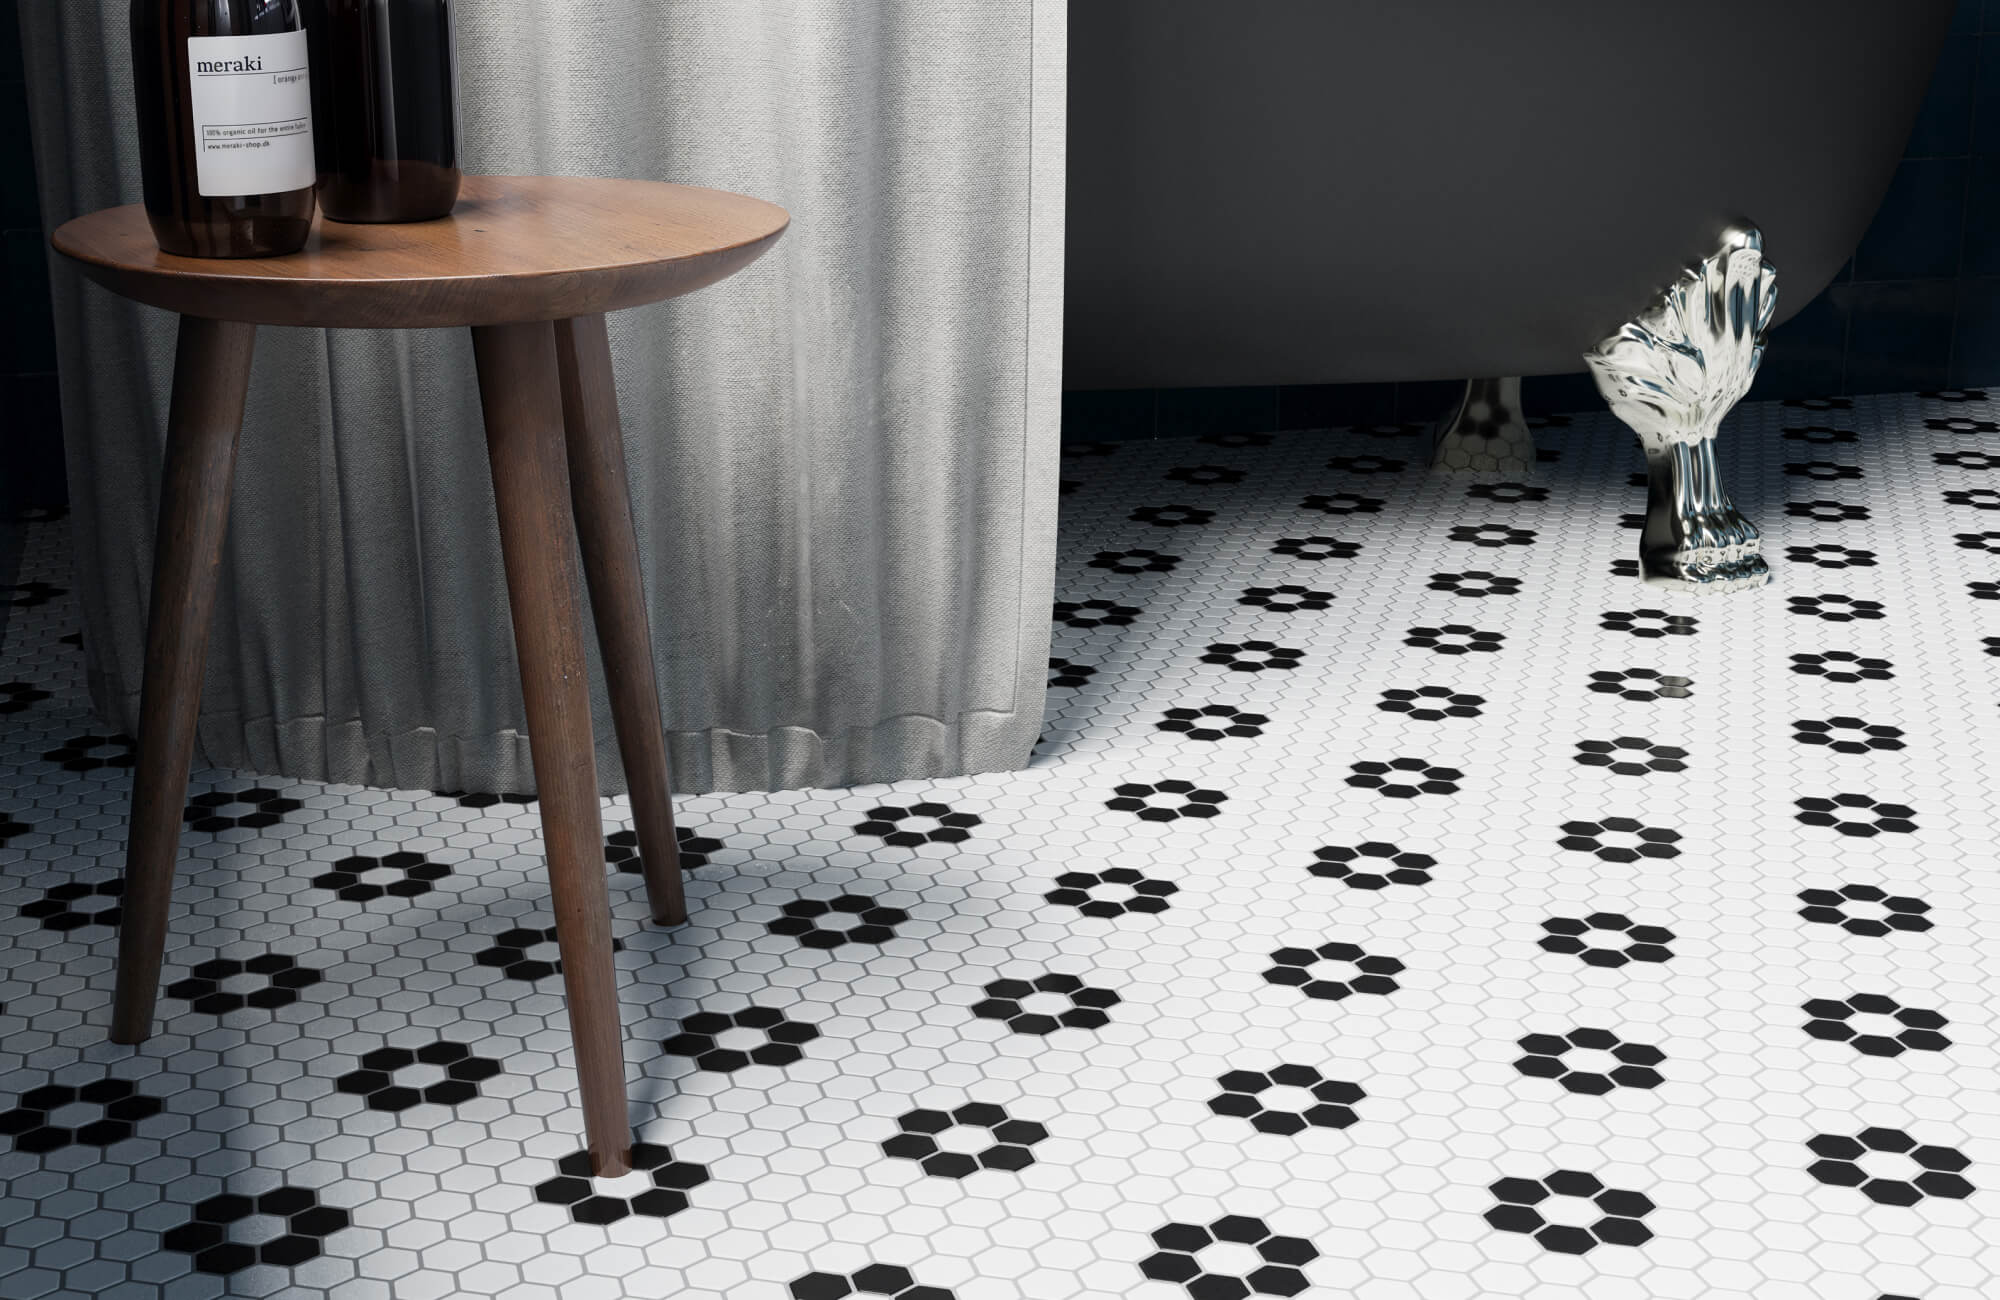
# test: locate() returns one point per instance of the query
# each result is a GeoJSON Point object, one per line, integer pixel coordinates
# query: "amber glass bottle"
{"type": "Point", "coordinates": [384, 113]}
{"type": "Point", "coordinates": [225, 125]}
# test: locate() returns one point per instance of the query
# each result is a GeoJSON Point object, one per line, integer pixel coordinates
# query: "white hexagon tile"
{"type": "Point", "coordinates": [1403, 903]}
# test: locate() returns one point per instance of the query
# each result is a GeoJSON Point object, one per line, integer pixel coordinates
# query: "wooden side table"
{"type": "Point", "coordinates": [530, 264]}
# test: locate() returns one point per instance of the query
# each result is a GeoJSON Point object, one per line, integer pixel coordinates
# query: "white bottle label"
{"type": "Point", "coordinates": [252, 100]}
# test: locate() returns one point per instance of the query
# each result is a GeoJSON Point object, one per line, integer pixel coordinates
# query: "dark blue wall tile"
{"type": "Point", "coordinates": [1108, 414]}
{"type": "Point", "coordinates": [1986, 97]}
{"type": "Point", "coordinates": [1804, 356]}
{"type": "Point", "coordinates": [29, 330]}
{"type": "Point", "coordinates": [1554, 394]}
{"type": "Point", "coordinates": [1190, 412]}
{"type": "Point", "coordinates": [1976, 340]}
{"type": "Point", "coordinates": [1335, 406]}
{"type": "Point", "coordinates": [18, 207]}
{"type": "Point", "coordinates": [1421, 401]}
{"type": "Point", "coordinates": [1898, 336]}
{"type": "Point", "coordinates": [1916, 233]}
{"type": "Point", "coordinates": [1981, 252]}
{"type": "Point", "coordinates": [1944, 123]}
{"type": "Point", "coordinates": [30, 441]}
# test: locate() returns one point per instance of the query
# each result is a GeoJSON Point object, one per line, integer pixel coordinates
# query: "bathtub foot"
{"type": "Point", "coordinates": [1486, 431]}
{"type": "Point", "coordinates": [1672, 374]}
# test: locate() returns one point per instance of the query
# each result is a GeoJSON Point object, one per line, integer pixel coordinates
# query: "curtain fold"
{"type": "Point", "coordinates": [842, 459]}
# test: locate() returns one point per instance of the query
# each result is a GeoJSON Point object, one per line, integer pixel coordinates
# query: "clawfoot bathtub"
{"type": "Point", "coordinates": [1282, 192]}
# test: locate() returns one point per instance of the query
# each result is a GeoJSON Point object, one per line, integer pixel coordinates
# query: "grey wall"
{"type": "Point", "coordinates": [1917, 307]}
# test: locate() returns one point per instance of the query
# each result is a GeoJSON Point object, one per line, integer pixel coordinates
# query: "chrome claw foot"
{"type": "Point", "coordinates": [1672, 374]}
{"type": "Point", "coordinates": [1694, 539]}
{"type": "Point", "coordinates": [1486, 431]}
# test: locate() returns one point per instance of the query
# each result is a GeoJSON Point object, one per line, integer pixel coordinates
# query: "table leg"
{"type": "Point", "coordinates": [611, 564]}
{"type": "Point", "coordinates": [521, 396]}
{"type": "Point", "coordinates": [211, 376]}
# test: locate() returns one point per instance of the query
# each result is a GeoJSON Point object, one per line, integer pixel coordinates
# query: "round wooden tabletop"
{"type": "Point", "coordinates": [516, 248]}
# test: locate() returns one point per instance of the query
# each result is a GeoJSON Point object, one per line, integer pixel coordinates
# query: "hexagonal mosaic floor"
{"type": "Point", "coordinates": [1402, 904]}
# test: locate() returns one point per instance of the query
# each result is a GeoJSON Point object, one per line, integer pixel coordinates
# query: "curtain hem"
{"type": "Point", "coordinates": [903, 748]}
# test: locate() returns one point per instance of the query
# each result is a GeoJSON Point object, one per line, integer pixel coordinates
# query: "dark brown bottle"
{"type": "Point", "coordinates": [225, 125]}
{"type": "Point", "coordinates": [385, 121]}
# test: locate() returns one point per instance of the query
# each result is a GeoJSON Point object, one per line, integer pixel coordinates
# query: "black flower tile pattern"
{"type": "Point", "coordinates": [1203, 475]}
{"type": "Point", "coordinates": [18, 697]}
{"type": "Point", "coordinates": [1831, 555]}
{"type": "Point", "coordinates": [1650, 624]}
{"type": "Point", "coordinates": [27, 595]}
{"type": "Point", "coordinates": [1113, 892]}
{"type": "Point", "coordinates": [1334, 971]}
{"type": "Point", "coordinates": [1507, 492]}
{"type": "Point", "coordinates": [1404, 778]}
{"type": "Point", "coordinates": [621, 850]}
{"type": "Point", "coordinates": [1327, 1103]}
{"type": "Point", "coordinates": [1367, 464]}
{"type": "Point", "coordinates": [224, 984]}
{"type": "Point", "coordinates": [1641, 684]}
{"type": "Point", "coordinates": [1843, 666]}
{"type": "Point", "coordinates": [1343, 503]}
{"type": "Point", "coordinates": [911, 825]}
{"type": "Point", "coordinates": [588, 1201]}
{"type": "Point", "coordinates": [1373, 865]}
{"type": "Point", "coordinates": [364, 877]}
{"type": "Point", "coordinates": [377, 1083]}
{"type": "Point", "coordinates": [1286, 598]}
{"type": "Point", "coordinates": [486, 799]}
{"type": "Point", "coordinates": [1475, 583]}
{"type": "Point", "coordinates": [74, 905]}
{"type": "Point", "coordinates": [775, 1039]}
{"type": "Point", "coordinates": [1316, 548]}
{"type": "Point", "coordinates": [1874, 1024]}
{"type": "Point", "coordinates": [874, 1279]}
{"type": "Point", "coordinates": [1617, 1217]}
{"type": "Point", "coordinates": [1003, 1143]}
{"type": "Point", "coordinates": [1166, 801]}
{"type": "Point", "coordinates": [115, 1109]}
{"type": "Point", "coordinates": [92, 752]}
{"type": "Point", "coordinates": [526, 953]}
{"type": "Point", "coordinates": [296, 1227]}
{"type": "Point", "coordinates": [1631, 756]}
{"type": "Point", "coordinates": [1213, 722]}
{"type": "Point", "coordinates": [1454, 639]}
{"type": "Point", "coordinates": [1822, 435]}
{"type": "Point", "coordinates": [1857, 815]}
{"type": "Point", "coordinates": [1063, 672]}
{"type": "Point", "coordinates": [1175, 516]}
{"type": "Point", "coordinates": [1845, 1161]}
{"type": "Point", "coordinates": [1847, 735]}
{"type": "Point", "coordinates": [1072, 1004]}
{"type": "Point", "coordinates": [1607, 939]}
{"type": "Point", "coordinates": [1626, 1065]}
{"type": "Point", "coordinates": [1865, 910]}
{"type": "Point", "coordinates": [829, 923]}
{"type": "Point", "coordinates": [1654, 1013]}
{"type": "Point", "coordinates": [1619, 839]}
{"type": "Point", "coordinates": [1253, 656]}
{"type": "Point", "coordinates": [253, 808]}
{"type": "Point", "coordinates": [1430, 703]}
{"type": "Point", "coordinates": [1095, 613]}
{"type": "Point", "coordinates": [1274, 1267]}
{"type": "Point", "coordinates": [1135, 561]}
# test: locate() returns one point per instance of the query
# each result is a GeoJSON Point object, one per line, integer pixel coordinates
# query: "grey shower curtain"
{"type": "Point", "coordinates": [842, 459]}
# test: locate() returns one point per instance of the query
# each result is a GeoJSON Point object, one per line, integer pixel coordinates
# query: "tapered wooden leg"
{"type": "Point", "coordinates": [611, 564]}
{"type": "Point", "coordinates": [524, 441]}
{"type": "Point", "coordinates": [211, 375]}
